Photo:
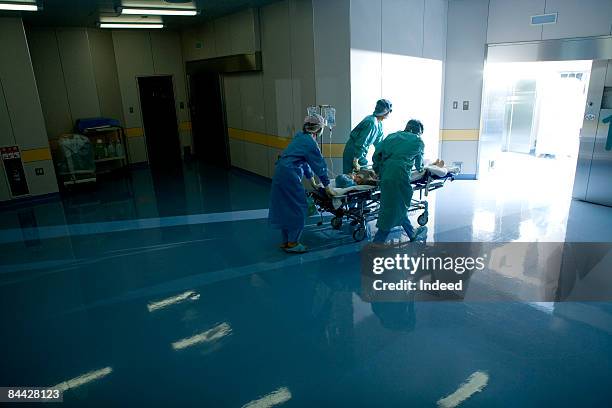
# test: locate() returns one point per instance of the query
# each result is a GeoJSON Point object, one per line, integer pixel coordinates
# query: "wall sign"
{"type": "Point", "coordinates": [13, 166]}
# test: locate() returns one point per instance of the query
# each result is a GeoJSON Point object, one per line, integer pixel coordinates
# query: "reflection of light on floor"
{"type": "Point", "coordinates": [475, 383]}
{"type": "Point", "coordinates": [528, 232]}
{"type": "Point", "coordinates": [546, 307]}
{"type": "Point", "coordinates": [277, 397]}
{"type": "Point", "coordinates": [153, 306]}
{"type": "Point", "coordinates": [484, 221]}
{"type": "Point", "coordinates": [208, 336]}
{"type": "Point", "coordinates": [83, 379]}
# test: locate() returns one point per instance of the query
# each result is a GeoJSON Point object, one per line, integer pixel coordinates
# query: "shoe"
{"type": "Point", "coordinates": [298, 249]}
{"type": "Point", "coordinates": [419, 234]}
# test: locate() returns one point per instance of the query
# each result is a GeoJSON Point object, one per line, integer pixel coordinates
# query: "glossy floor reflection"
{"type": "Point", "coordinates": [180, 296]}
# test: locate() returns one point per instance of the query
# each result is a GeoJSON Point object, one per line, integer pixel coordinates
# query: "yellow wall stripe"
{"type": "Point", "coordinates": [184, 126]}
{"type": "Point", "coordinates": [278, 142]}
{"type": "Point", "coordinates": [459, 135]}
{"type": "Point", "coordinates": [258, 138]}
{"type": "Point", "coordinates": [33, 155]}
{"type": "Point", "coordinates": [333, 150]}
{"type": "Point", "coordinates": [134, 132]}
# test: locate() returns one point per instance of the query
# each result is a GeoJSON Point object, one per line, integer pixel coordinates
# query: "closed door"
{"type": "Point", "coordinates": [600, 180]}
{"type": "Point", "coordinates": [160, 122]}
{"type": "Point", "coordinates": [518, 133]}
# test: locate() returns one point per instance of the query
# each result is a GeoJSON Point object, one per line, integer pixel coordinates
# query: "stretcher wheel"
{"type": "Point", "coordinates": [359, 234]}
{"type": "Point", "coordinates": [423, 219]}
{"type": "Point", "coordinates": [336, 223]}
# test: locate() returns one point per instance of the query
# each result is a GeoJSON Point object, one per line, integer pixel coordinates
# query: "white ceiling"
{"type": "Point", "coordinates": [87, 12]}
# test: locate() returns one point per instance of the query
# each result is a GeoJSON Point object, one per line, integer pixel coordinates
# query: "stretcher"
{"type": "Point", "coordinates": [360, 204]}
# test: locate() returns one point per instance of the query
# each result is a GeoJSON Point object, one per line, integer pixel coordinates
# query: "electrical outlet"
{"type": "Point", "coordinates": [39, 171]}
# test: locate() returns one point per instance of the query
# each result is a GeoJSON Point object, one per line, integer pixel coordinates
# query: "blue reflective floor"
{"type": "Point", "coordinates": [169, 291]}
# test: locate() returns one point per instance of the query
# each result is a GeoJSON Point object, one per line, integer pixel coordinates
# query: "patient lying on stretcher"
{"type": "Point", "coordinates": [366, 177]}
{"type": "Point", "coordinates": [363, 177]}
{"type": "Point", "coordinates": [437, 169]}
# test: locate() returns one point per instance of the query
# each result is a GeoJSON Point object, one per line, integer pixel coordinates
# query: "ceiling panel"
{"type": "Point", "coordinates": [87, 12]}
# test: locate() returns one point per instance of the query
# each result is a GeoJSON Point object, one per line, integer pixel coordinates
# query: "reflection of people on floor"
{"type": "Point", "coordinates": [398, 316]}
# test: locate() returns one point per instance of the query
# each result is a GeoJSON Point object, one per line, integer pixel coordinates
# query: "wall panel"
{"type": "Point", "coordinates": [302, 56]}
{"type": "Point", "coordinates": [134, 58]}
{"type": "Point", "coordinates": [168, 60]}
{"type": "Point", "coordinates": [79, 77]}
{"type": "Point", "coordinates": [252, 102]}
{"type": "Point", "coordinates": [511, 20]}
{"type": "Point", "coordinates": [276, 46]}
{"type": "Point", "coordinates": [6, 131]}
{"type": "Point", "coordinates": [50, 81]}
{"type": "Point", "coordinates": [399, 36]}
{"type": "Point", "coordinates": [434, 22]}
{"type": "Point", "coordinates": [105, 72]}
{"type": "Point", "coordinates": [584, 18]}
{"type": "Point", "coordinates": [19, 86]}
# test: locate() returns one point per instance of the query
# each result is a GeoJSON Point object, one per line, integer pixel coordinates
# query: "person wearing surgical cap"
{"type": "Point", "coordinates": [288, 207]}
{"type": "Point", "coordinates": [369, 132]}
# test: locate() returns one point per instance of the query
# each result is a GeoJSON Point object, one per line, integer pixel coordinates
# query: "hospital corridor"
{"type": "Point", "coordinates": [306, 203]}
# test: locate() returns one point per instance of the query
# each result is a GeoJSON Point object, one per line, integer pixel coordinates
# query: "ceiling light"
{"type": "Point", "coordinates": [159, 12]}
{"type": "Point", "coordinates": [128, 25]}
{"type": "Point", "coordinates": [19, 6]}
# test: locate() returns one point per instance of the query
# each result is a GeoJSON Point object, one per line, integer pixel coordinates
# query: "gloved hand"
{"type": "Point", "coordinates": [315, 184]}
{"type": "Point", "coordinates": [356, 165]}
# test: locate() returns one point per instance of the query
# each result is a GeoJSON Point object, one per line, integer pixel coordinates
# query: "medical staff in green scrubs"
{"type": "Point", "coordinates": [367, 133]}
{"type": "Point", "coordinates": [393, 162]}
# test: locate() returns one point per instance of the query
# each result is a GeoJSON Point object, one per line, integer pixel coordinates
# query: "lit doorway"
{"type": "Point", "coordinates": [531, 120]}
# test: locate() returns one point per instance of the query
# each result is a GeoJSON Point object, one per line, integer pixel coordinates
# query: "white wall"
{"type": "Point", "coordinates": [509, 21]}
{"type": "Point", "coordinates": [76, 76]}
{"type": "Point", "coordinates": [21, 120]}
{"type": "Point", "coordinates": [234, 34]}
{"type": "Point", "coordinates": [272, 102]}
{"type": "Point", "coordinates": [398, 61]}
{"type": "Point", "coordinates": [474, 23]}
{"type": "Point", "coordinates": [144, 53]}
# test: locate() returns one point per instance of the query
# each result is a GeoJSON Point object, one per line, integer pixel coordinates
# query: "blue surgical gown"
{"type": "Point", "coordinates": [393, 161]}
{"type": "Point", "coordinates": [368, 132]}
{"type": "Point", "coordinates": [301, 158]}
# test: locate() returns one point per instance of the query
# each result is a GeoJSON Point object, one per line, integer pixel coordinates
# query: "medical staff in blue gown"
{"type": "Point", "coordinates": [393, 161]}
{"type": "Point", "coordinates": [302, 158]}
{"type": "Point", "coordinates": [369, 132]}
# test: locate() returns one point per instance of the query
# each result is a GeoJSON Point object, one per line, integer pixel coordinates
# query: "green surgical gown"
{"type": "Point", "coordinates": [393, 161]}
{"type": "Point", "coordinates": [367, 133]}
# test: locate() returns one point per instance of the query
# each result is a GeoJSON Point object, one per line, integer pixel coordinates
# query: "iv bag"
{"type": "Point", "coordinates": [311, 110]}
{"type": "Point", "coordinates": [329, 113]}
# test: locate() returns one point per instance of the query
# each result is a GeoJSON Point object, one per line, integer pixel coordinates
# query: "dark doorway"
{"type": "Point", "coordinates": [210, 140]}
{"type": "Point", "coordinates": [160, 123]}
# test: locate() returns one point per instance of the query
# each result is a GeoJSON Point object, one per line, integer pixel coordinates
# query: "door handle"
{"type": "Point", "coordinates": [609, 138]}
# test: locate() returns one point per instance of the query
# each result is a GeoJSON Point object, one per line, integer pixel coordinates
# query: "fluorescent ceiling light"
{"type": "Point", "coordinates": [127, 25]}
{"type": "Point", "coordinates": [159, 12]}
{"type": "Point", "coordinates": [18, 7]}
